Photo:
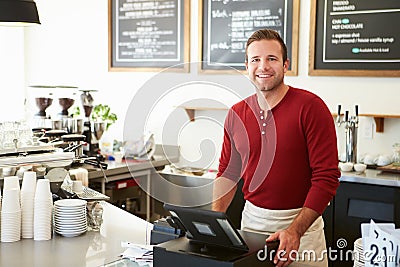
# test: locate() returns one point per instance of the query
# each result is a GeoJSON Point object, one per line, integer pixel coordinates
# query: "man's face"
{"type": "Point", "coordinates": [265, 64]}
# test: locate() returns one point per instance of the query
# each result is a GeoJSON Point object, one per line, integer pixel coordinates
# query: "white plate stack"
{"type": "Point", "coordinates": [27, 203]}
{"type": "Point", "coordinates": [70, 217]}
{"type": "Point", "coordinates": [43, 208]}
{"type": "Point", "coordinates": [11, 216]}
{"type": "Point", "coordinates": [359, 260]}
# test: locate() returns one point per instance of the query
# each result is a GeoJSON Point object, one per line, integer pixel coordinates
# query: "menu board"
{"type": "Point", "coordinates": [353, 37]}
{"type": "Point", "coordinates": [227, 24]}
{"type": "Point", "coordinates": [148, 34]}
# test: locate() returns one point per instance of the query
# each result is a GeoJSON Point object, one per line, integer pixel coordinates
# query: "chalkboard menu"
{"type": "Point", "coordinates": [355, 38]}
{"type": "Point", "coordinates": [148, 35]}
{"type": "Point", "coordinates": [227, 24]}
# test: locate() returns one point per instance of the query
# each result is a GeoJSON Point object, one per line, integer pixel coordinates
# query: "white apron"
{"type": "Point", "coordinates": [265, 221]}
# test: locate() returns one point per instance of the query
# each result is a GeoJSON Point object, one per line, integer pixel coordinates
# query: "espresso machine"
{"type": "Point", "coordinates": [93, 130]}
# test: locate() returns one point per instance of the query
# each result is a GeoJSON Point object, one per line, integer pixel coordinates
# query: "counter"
{"type": "Point", "coordinates": [373, 177]}
{"type": "Point", "coordinates": [89, 249]}
{"type": "Point", "coordinates": [164, 155]}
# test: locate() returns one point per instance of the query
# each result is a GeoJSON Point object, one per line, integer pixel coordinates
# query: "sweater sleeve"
{"type": "Point", "coordinates": [323, 156]}
{"type": "Point", "coordinates": [230, 161]}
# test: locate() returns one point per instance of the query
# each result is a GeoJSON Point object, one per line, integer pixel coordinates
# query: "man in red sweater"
{"type": "Point", "coordinates": [281, 141]}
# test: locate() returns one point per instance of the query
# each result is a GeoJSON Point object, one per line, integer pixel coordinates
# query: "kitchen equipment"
{"type": "Point", "coordinates": [66, 98]}
{"type": "Point", "coordinates": [43, 103]}
{"type": "Point", "coordinates": [396, 154]}
{"type": "Point", "coordinates": [143, 148]}
{"type": "Point", "coordinates": [75, 144]}
{"type": "Point", "coordinates": [52, 136]}
{"type": "Point", "coordinates": [351, 126]}
{"type": "Point", "coordinates": [43, 98]}
{"type": "Point", "coordinates": [72, 125]}
{"type": "Point", "coordinates": [93, 130]}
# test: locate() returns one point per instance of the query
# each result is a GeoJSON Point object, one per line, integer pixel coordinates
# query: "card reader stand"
{"type": "Point", "coordinates": [183, 252]}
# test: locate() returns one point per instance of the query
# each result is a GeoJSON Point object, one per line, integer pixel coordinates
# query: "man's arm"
{"type": "Point", "coordinates": [223, 192]}
{"type": "Point", "coordinates": [289, 239]}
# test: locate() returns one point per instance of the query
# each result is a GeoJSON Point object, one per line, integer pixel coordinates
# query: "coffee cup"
{"type": "Point", "coordinates": [118, 156]}
{"type": "Point", "coordinates": [77, 186]}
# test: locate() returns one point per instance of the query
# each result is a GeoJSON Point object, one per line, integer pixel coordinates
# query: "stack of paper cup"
{"type": "Point", "coordinates": [11, 182]}
{"type": "Point", "coordinates": [0, 213]}
{"type": "Point", "coordinates": [11, 216]}
{"type": "Point", "coordinates": [43, 206]}
{"type": "Point", "coordinates": [27, 203]}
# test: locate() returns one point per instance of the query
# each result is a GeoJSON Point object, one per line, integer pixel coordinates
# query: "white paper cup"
{"type": "Point", "coordinates": [29, 181]}
{"type": "Point", "coordinates": [77, 186]}
{"type": "Point", "coordinates": [42, 188]}
{"type": "Point", "coordinates": [11, 202]}
{"type": "Point", "coordinates": [11, 182]}
{"type": "Point", "coordinates": [118, 156]}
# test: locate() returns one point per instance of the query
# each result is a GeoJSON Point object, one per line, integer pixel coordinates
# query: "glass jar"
{"type": "Point", "coordinates": [396, 154]}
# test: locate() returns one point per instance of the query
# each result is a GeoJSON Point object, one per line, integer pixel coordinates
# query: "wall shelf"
{"type": "Point", "coordinates": [191, 110]}
{"type": "Point", "coordinates": [378, 118]}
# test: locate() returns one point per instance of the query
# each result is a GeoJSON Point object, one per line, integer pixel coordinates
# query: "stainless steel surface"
{"type": "Point", "coordinates": [182, 190]}
{"type": "Point", "coordinates": [351, 142]}
{"type": "Point", "coordinates": [164, 155]}
{"type": "Point", "coordinates": [374, 177]}
{"type": "Point", "coordinates": [89, 249]}
{"type": "Point", "coordinates": [72, 125]}
{"type": "Point", "coordinates": [351, 126]}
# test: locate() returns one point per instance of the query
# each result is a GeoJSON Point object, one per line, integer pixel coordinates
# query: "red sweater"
{"type": "Point", "coordinates": [294, 163]}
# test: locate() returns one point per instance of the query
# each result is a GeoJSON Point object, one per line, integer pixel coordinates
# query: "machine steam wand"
{"type": "Point", "coordinates": [351, 125]}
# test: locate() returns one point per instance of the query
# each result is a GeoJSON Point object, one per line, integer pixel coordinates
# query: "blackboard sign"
{"type": "Point", "coordinates": [355, 38]}
{"type": "Point", "coordinates": [148, 35]}
{"type": "Point", "coordinates": [226, 26]}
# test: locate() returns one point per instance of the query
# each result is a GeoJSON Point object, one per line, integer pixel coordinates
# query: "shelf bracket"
{"type": "Point", "coordinates": [190, 113]}
{"type": "Point", "coordinates": [379, 121]}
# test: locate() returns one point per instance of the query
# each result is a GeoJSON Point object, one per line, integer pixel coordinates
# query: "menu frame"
{"type": "Point", "coordinates": [294, 35]}
{"type": "Point", "coordinates": [347, 70]}
{"type": "Point", "coordinates": [154, 65]}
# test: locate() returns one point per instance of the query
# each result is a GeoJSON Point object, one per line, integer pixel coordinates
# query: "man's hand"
{"type": "Point", "coordinates": [289, 239]}
{"type": "Point", "coordinates": [289, 242]}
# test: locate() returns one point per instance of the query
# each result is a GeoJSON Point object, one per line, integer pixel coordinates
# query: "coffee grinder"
{"type": "Point", "coordinates": [43, 99]}
{"type": "Point", "coordinates": [93, 130]}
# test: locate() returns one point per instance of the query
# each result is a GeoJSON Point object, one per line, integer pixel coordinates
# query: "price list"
{"type": "Point", "coordinates": [361, 31]}
{"type": "Point", "coordinates": [147, 31]}
{"type": "Point", "coordinates": [228, 24]}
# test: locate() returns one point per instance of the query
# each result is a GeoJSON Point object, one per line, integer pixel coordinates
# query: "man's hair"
{"type": "Point", "coordinates": [267, 34]}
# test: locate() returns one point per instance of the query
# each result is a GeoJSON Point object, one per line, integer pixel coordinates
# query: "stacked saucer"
{"type": "Point", "coordinates": [359, 260]}
{"type": "Point", "coordinates": [70, 217]}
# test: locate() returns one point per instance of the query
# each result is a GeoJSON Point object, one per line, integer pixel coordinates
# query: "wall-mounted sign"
{"type": "Point", "coordinates": [355, 38]}
{"type": "Point", "coordinates": [226, 25]}
{"type": "Point", "coordinates": [148, 35]}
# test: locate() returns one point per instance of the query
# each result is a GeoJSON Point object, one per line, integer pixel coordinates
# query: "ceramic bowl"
{"type": "Point", "coordinates": [346, 167]}
{"type": "Point", "coordinates": [360, 168]}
